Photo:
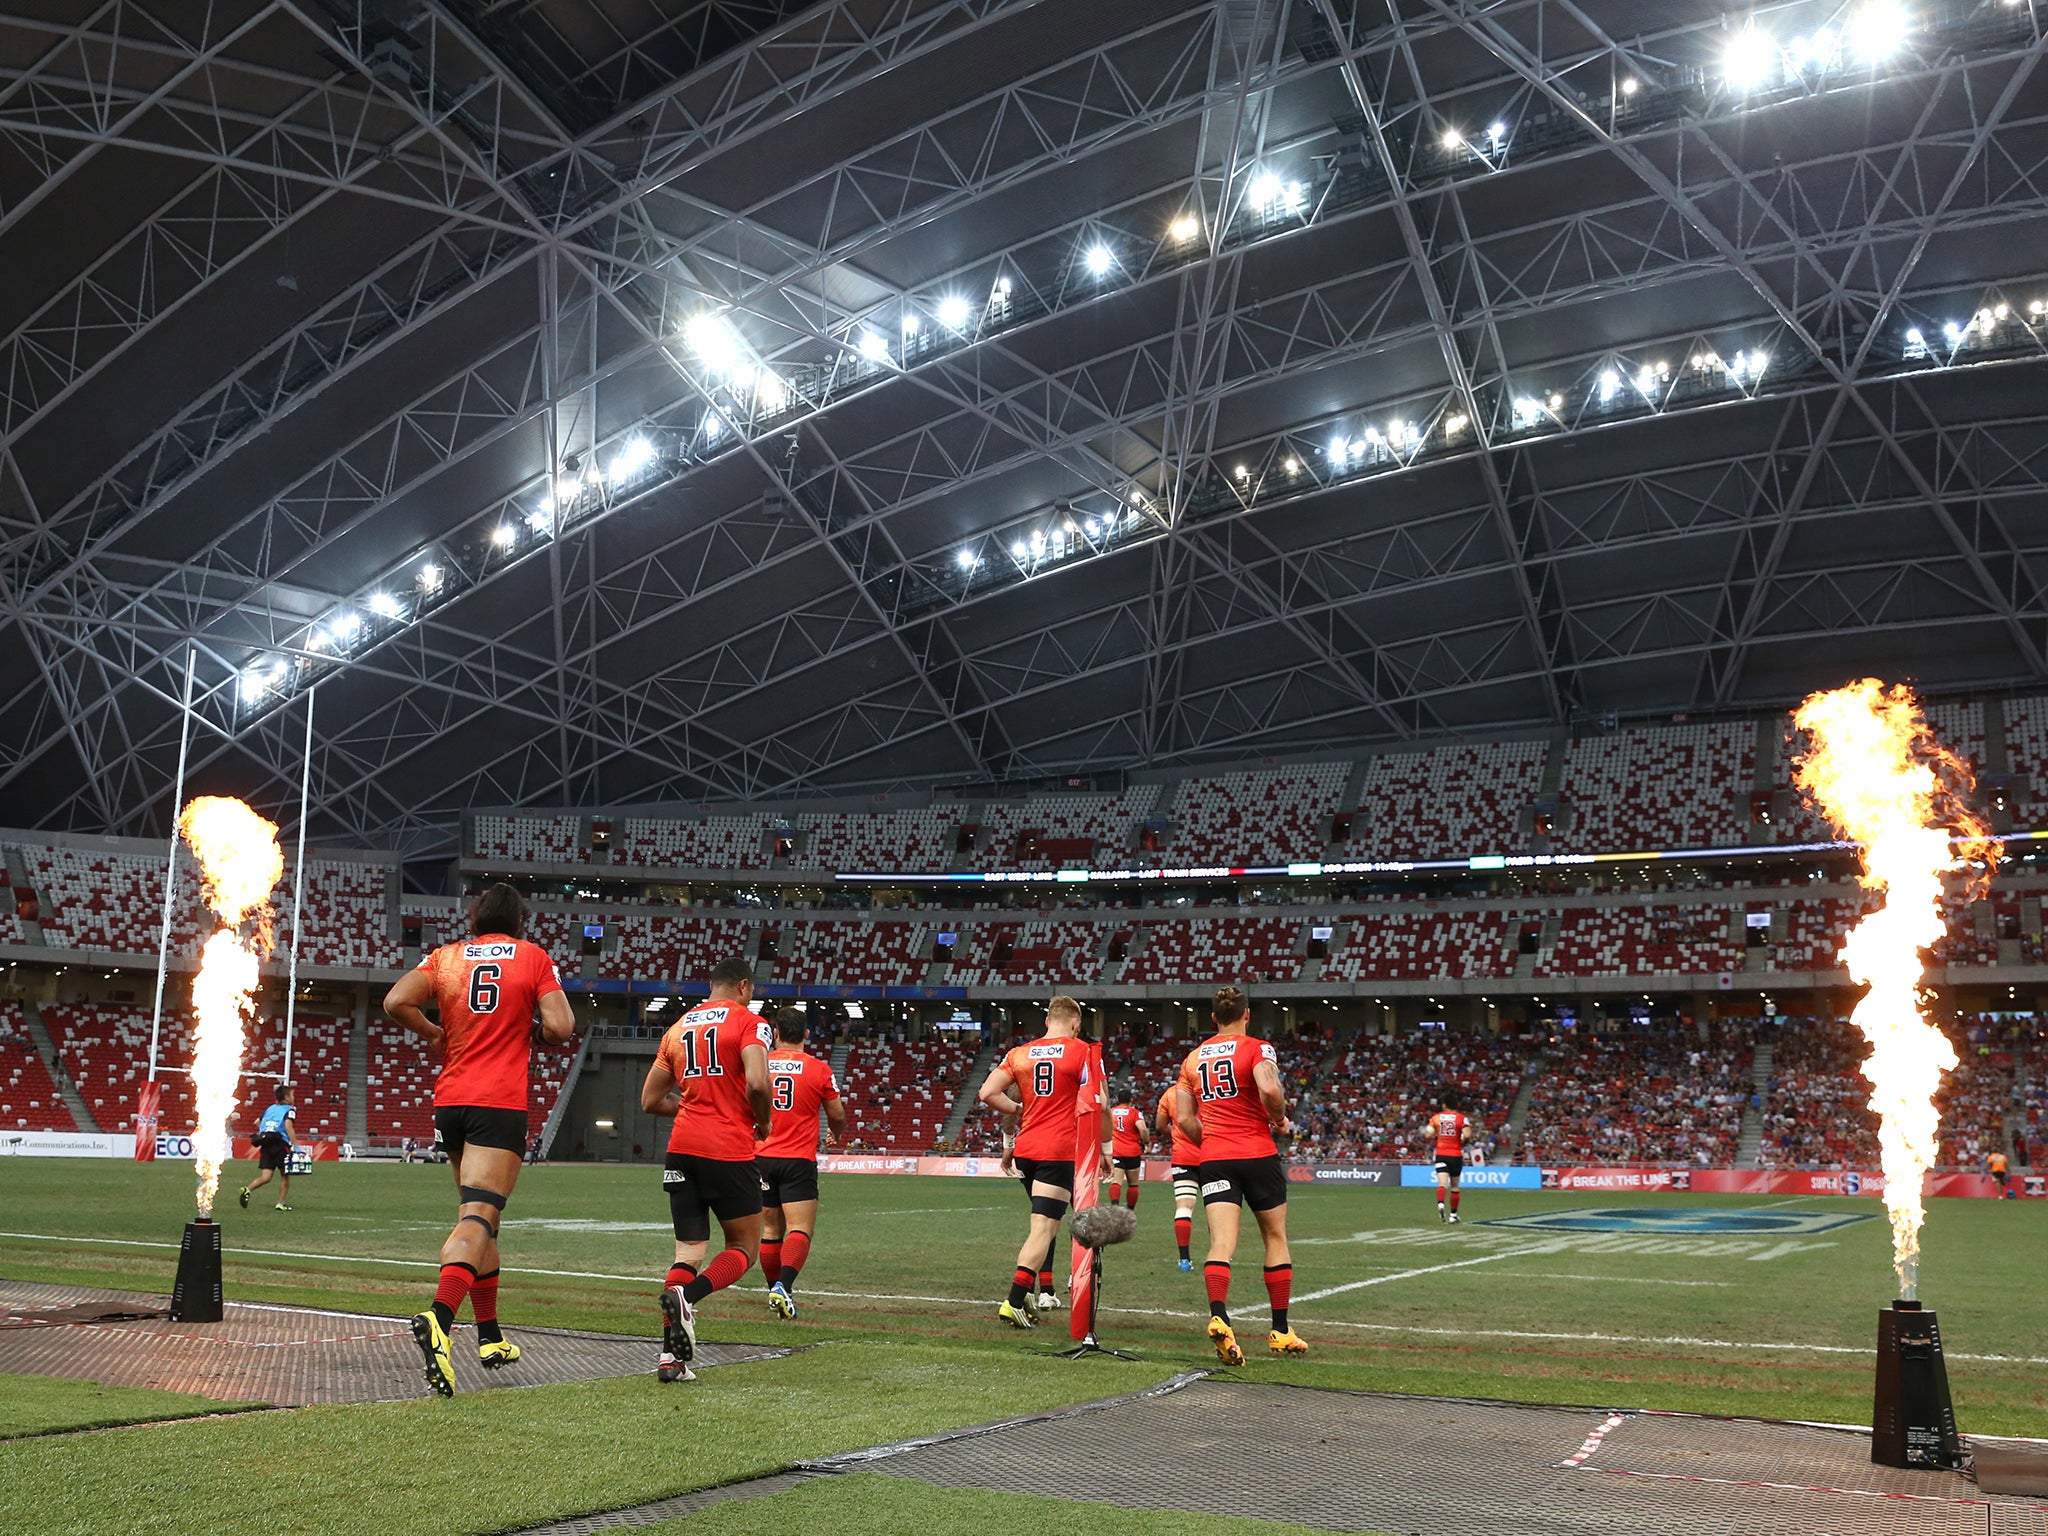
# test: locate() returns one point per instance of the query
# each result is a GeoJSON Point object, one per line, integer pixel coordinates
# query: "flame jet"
{"type": "Point", "coordinates": [1874, 768]}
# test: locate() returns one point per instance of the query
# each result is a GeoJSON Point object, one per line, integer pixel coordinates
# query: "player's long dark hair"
{"type": "Point", "coordinates": [498, 909]}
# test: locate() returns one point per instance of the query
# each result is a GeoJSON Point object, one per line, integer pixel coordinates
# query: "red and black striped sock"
{"type": "Point", "coordinates": [796, 1248]}
{"type": "Point", "coordinates": [1020, 1285]}
{"type": "Point", "coordinates": [1216, 1280]}
{"type": "Point", "coordinates": [1183, 1232]}
{"type": "Point", "coordinates": [483, 1305]}
{"type": "Point", "coordinates": [771, 1259]}
{"type": "Point", "coordinates": [456, 1280]}
{"type": "Point", "coordinates": [1279, 1288]}
{"type": "Point", "coordinates": [718, 1274]}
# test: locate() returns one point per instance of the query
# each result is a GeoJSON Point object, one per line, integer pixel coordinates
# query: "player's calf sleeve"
{"type": "Point", "coordinates": [456, 1281]}
{"type": "Point", "coordinates": [1183, 1232]}
{"type": "Point", "coordinates": [771, 1259]}
{"type": "Point", "coordinates": [718, 1274]}
{"type": "Point", "coordinates": [1131, 1197]}
{"type": "Point", "coordinates": [1021, 1285]}
{"type": "Point", "coordinates": [796, 1248]}
{"type": "Point", "coordinates": [1454, 1200]}
{"type": "Point", "coordinates": [1216, 1281]}
{"type": "Point", "coordinates": [1279, 1290]}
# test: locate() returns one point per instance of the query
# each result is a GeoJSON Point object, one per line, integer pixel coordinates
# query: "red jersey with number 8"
{"type": "Point", "coordinates": [702, 1052]}
{"type": "Point", "coordinates": [799, 1085]}
{"type": "Point", "coordinates": [488, 990]}
{"type": "Point", "coordinates": [1048, 1075]}
{"type": "Point", "coordinates": [1217, 1075]}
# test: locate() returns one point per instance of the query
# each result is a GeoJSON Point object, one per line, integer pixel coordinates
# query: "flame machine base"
{"type": "Point", "coordinates": [195, 1295]}
{"type": "Point", "coordinates": [1913, 1423]}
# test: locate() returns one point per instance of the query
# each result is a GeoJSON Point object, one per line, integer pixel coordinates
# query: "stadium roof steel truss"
{"type": "Point", "coordinates": [787, 401]}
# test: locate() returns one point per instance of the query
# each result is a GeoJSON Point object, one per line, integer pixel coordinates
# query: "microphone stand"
{"type": "Point", "coordinates": [1088, 1345]}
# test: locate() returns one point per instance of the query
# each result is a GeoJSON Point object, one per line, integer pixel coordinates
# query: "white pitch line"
{"type": "Point", "coordinates": [1433, 1269]}
{"type": "Point", "coordinates": [1624, 1280]}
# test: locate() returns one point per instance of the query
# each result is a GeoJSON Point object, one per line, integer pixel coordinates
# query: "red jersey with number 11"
{"type": "Point", "coordinates": [702, 1052]}
{"type": "Point", "coordinates": [488, 989]}
{"type": "Point", "coordinates": [1218, 1076]}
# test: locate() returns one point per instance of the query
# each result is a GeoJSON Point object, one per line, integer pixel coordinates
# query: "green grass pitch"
{"type": "Point", "coordinates": [901, 1290]}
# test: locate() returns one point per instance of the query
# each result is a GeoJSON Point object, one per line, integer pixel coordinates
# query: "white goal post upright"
{"type": "Point", "coordinates": [291, 987]}
{"type": "Point", "coordinates": [163, 948]}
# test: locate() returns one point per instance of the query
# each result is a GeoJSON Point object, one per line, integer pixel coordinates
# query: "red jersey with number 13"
{"type": "Point", "coordinates": [799, 1085]}
{"type": "Point", "coordinates": [1048, 1074]}
{"type": "Point", "coordinates": [1449, 1127]}
{"type": "Point", "coordinates": [488, 990]}
{"type": "Point", "coordinates": [1218, 1076]}
{"type": "Point", "coordinates": [702, 1052]}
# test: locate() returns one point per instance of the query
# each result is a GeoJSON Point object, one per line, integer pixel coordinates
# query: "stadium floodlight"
{"type": "Point", "coordinates": [771, 395]}
{"type": "Point", "coordinates": [504, 535]}
{"type": "Point", "coordinates": [717, 345]}
{"type": "Point", "coordinates": [1556, 402]}
{"type": "Point", "coordinates": [1185, 228]}
{"type": "Point", "coordinates": [1752, 60]}
{"type": "Point", "coordinates": [873, 347]}
{"type": "Point", "coordinates": [954, 312]}
{"type": "Point", "coordinates": [384, 605]}
{"type": "Point", "coordinates": [1954, 333]}
{"type": "Point", "coordinates": [1292, 465]}
{"type": "Point", "coordinates": [1243, 473]}
{"type": "Point", "coordinates": [1646, 382]}
{"type": "Point", "coordinates": [343, 628]}
{"type": "Point", "coordinates": [1018, 551]}
{"type": "Point", "coordinates": [1453, 139]}
{"type": "Point", "coordinates": [1454, 426]}
{"type": "Point", "coordinates": [1266, 190]}
{"type": "Point", "coordinates": [541, 519]}
{"type": "Point", "coordinates": [1038, 538]}
{"type": "Point", "coordinates": [255, 682]}
{"type": "Point", "coordinates": [1339, 446]}
{"type": "Point", "coordinates": [909, 324]}
{"type": "Point", "coordinates": [1094, 528]}
{"type": "Point", "coordinates": [1001, 289]}
{"type": "Point", "coordinates": [968, 559]}
{"type": "Point", "coordinates": [1881, 30]}
{"type": "Point", "coordinates": [1099, 259]}
{"type": "Point", "coordinates": [1498, 133]}
{"type": "Point", "coordinates": [1630, 85]}
{"type": "Point", "coordinates": [1610, 381]}
{"type": "Point", "coordinates": [634, 455]}
{"type": "Point", "coordinates": [430, 577]}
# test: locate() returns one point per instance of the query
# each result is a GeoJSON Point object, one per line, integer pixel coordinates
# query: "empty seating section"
{"type": "Point", "coordinates": [1814, 930]}
{"type": "Point", "coordinates": [29, 1100]}
{"type": "Point", "coordinates": [713, 842]}
{"type": "Point", "coordinates": [104, 1047]}
{"type": "Point", "coordinates": [916, 841]}
{"type": "Point", "coordinates": [530, 839]}
{"type": "Point", "coordinates": [1817, 1113]}
{"type": "Point", "coordinates": [1273, 816]}
{"type": "Point", "coordinates": [2026, 745]}
{"type": "Point", "coordinates": [1016, 834]}
{"type": "Point", "coordinates": [348, 920]}
{"type": "Point", "coordinates": [853, 954]}
{"type": "Point", "coordinates": [1448, 802]}
{"type": "Point", "coordinates": [1423, 946]}
{"type": "Point", "coordinates": [1685, 786]}
{"type": "Point", "coordinates": [111, 901]}
{"type": "Point", "coordinates": [1643, 941]}
{"type": "Point", "coordinates": [1960, 728]}
{"type": "Point", "coordinates": [1374, 1104]}
{"type": "Point", "coordinates": [1211, 951]}
{"type": "Point", "coordinates": [899, 1093]}
{"type": "Point", "coordinates": [681, 948]}
{"type": "Point", "coordinates": [1659, 1094]}
{"type": "Point", "coordinates": [1044, 953]}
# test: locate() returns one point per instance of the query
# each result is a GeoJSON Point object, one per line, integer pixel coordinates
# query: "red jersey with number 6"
{"type": "Point", "coordinates": [1217, 1075]}
{"type": "Point", "coordinates": [799, 1085]}
{"type": "Point", "coordinates": [1123, 1131]}
{"type": "Point", "coordinates": [1449, 1128]}
{"type": "Point", "coordinates": [702, 1052]}
{"type": "Point", "coordinates": [1048, 1074]}
{"type": "Point", "coordinates": [488, 990]}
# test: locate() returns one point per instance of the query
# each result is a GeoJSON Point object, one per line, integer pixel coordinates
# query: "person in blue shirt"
{"type": "Point", "coordinates": [274, 1144]}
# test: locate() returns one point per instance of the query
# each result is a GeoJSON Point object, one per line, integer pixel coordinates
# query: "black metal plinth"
{"type": "Point", "coordinates": [1913, 1423]}
{"type": "Point", "coordinates": [195, 1296]}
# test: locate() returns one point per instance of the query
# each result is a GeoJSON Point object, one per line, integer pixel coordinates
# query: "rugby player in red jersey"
{"type": "Point", "coordinates": [487, 990]}
{"type": "Point", "coordinates": [711, 1072]}
{"type": "Point", "coordinates": [1127, 1149]}
{"type": "Point", "coordinates": [1229, 1102]}
{"type": "Point", "coordinates": [1185, 1171]}
{"type": "Point", "coordinates": [1451, 1130]}
{"type": "Point", "coordinates": [799, 1085]}
{"type": "Point", "coordinates": [1038, 1084]}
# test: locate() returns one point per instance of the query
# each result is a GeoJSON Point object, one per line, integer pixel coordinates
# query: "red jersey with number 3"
{"type": "Point", "coordinates": [1185, 1153]}
{"type": "Point", "coordinates": [488, 990]}
{"type": "Point", "coordinates": [1448, 1126]}
{"type": "Point", "coordinates": [1123, 1131]}
{"type": "Point", "coordinates": [799, 1085]}
{"type": "Point", "coordinates": [1218, 1076]}
{"type": "Point", "coordinates": [702, 1052]}
{"type": "Point", "coordinates": [1048, 1074]}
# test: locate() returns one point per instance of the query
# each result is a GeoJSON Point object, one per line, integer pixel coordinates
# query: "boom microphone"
{"type": "Point", "coordinates": [1102, 1226]}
